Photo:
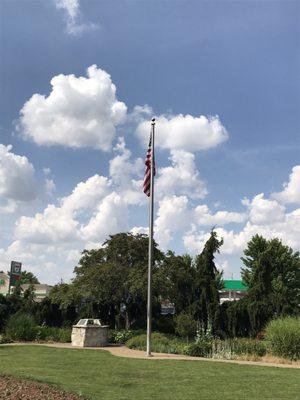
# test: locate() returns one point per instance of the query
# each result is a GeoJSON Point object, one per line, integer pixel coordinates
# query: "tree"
{"type": "Point", "coordinates": [27, 277]}
{"type": "Point", "coordinates": [65, 297]}
{"type": "Point", "coordinates": [272, 273]}
{"type": "Point", "coordinates": [208, 284]}
{"type": "Point", "coordinates": [186, 326]}
{"type": "Point", "coordinates": [177, 277]}
{"type": "Point", "coordinates": [112, 280]}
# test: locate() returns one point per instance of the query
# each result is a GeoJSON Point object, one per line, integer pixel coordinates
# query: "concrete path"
{"type": "Point", "coordinates": [123, 351]}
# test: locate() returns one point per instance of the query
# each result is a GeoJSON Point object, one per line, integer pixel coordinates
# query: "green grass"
{"type": "Point", "coordinates": [101, 376]}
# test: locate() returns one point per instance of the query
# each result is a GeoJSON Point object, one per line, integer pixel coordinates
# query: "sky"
{"type": "Point", "coordinates": [80, 81]}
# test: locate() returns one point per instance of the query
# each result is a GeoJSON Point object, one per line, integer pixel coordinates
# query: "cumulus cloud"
{"type": "Point", "coordinates": [264, 210]}
{"type": "Point", "coordinates": [54, 225]}
{"type": "Point", "coordinates": [17, 180]}
{"type": "Point", "coordinates": [203, 216]}
{"type": "Point", "coordinates": [58, 224]}
{"type": "Point", "coordinates": [111, 217]}
{"type": "Point", "coordinates": [291, 190]}
{"type": "Point", "coordinates": [86, 194]}
{"type": "Point", "coordinates": [181, 178]}
{"type": "Point", "coordinates": [79, 112]}
{"type": "Point", "coordinates": [185, 132]}
{"type": "Point", "coordinates": [74, 24]}
{"type": "Point", "coordinates": [50, 186]}
{"type": "Point", "coordinates": [139, 230]}
{"type": "Point", "coordinates": [121, 168]}
{"type": "Point", "coordinates": [49, 263]}
{"type": "Point", "coordinates": [173, 216]}
{"type": "Point", "coordinates": [288, 230]}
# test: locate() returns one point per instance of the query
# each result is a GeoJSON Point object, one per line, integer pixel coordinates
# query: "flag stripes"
{"type": "Point", "coordinates": [147, 177]}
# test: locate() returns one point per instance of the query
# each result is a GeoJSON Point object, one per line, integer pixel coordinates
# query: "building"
{"type": "Point", "coordinates": [233, 290]}
{"type": "Point", "coordinates": [40, 290]}
{"type": "Point", "coordinates": [4, 283]}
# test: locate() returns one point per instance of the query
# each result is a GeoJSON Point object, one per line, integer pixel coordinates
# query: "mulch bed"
{"type": "Point", "coordinates": [21, 389]}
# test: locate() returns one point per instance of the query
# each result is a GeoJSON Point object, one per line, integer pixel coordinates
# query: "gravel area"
{"type": "Point", "coordinates": [21, 389]}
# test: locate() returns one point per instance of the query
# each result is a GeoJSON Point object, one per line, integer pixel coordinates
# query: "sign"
{"type": "Point", "coordinates": [15, 272]}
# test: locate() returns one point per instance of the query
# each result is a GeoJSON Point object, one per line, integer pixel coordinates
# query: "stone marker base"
{"type": "Point", "coordinates": [90, 336]}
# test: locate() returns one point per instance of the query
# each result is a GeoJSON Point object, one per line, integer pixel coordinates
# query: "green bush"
{"type": "Point", "coordinates": [4, 339]}
{"type": "Point", "coordinates": [53, 334]}
{"type": "Point", "coordinates": [199, 349]}
{"type": "Point", "coordinates": [21, 327]}
{"type": "Point", "coordinates": [205, 346]}
{"type": "Point", "coordinates": [164, 324]}
{"type": "Point", "coordinates": [140, 342]}
{"type": "Point", "coordinates": [283, 337]}
{"type": "Point", "coordinates": [185, 325]}
{"type": "Point", "coordinates": [248, 346]}
{"type": "Point", "coordinates": [160, 343]}
{"type": "Point", "coordinates": [120, 336]}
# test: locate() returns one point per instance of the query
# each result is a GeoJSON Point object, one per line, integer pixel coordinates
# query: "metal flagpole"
{"type": "Point", "coordinates": [150, 252]}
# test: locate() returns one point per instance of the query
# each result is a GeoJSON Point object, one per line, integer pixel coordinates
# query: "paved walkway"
{"type": "Point", "coordinates": [123, 351]}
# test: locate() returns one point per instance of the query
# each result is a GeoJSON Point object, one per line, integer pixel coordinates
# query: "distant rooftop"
{"type": "Point", "coordinates": [235, 285]}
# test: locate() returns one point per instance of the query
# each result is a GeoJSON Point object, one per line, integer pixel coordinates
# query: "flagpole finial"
{"type": "Point", "coordinates": [153, 121]}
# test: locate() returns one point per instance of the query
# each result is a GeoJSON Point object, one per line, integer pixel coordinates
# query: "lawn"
{"type": "Point", "coordinates": [101, 376]}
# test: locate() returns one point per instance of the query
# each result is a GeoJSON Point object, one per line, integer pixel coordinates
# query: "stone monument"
{"type": "Point", "coordinates": [89, 333]}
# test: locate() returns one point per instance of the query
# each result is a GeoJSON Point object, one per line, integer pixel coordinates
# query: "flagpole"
{"type": "Point", "coordinates": [150, 252]}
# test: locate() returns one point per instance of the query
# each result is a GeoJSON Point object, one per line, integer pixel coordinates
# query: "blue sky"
{"type": "Point", "coordinates": [236, 64]}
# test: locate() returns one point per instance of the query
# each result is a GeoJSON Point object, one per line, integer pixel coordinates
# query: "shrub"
{"type": "Point", "coordinates": [199, 349]}
{"type": "Point", "coordinates": [248, 346]}
{"type": "Point", "coordinates": [164, 324]}
{"type": "Point", "coordinates": [185, 325]}
{"type": "Point", "coordinates": [283, 337]}
{"type": "Point", "coordinates": [21, 327]}
{"type": "Point", "coordinates": [120, 336]}
{"type": "Point", "coordinates": [158, 340]}
{"type": "Point", "coordinates": [65, 335]}
{"type": "Point", "coordinates": [53, 334]}
{"type": "Point", "coordinates": [160, 343]}
{"type": "Point", "coordinates": [4, 339]}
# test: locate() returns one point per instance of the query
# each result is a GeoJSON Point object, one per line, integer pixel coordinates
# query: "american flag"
{"type": "Point", "coordinates": [147, 177]}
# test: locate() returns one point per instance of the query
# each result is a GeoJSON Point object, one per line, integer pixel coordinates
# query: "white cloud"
{"type": "Point", "coordinates": [173, 216]}
{"type": "Point", "coordinates": [263, 210]}
{"type": "Point", "coordinates": [54, 225]}
{"type": "Point", "coordinates": [121, 169]}
{"type": "Point", "coordinates": [74, 26]}
{"type": "Point", "coordinates": [111, 217]}
{"type": "Point", "coordinates": [181, 178]}
{"type": "Point", "coordinates": [49, 263]}
{"type": "Point", "coordinates": [203, 216]}
{"type": "Point", "coordinates": [47, 171]}
{"type": "Point", "coordinates": [185, 132]}
{"type": "Point", "coordinates": [288, 230]}
{"type": "Point", "coordinates": [139, 230]}
{"type": "Point", "coordinates": [50, 187]}
{"type": "Point", "coordinates": [86, 194]}
{"type": "Point", "coordinates": [79, 112]}
{"type": "Point", "coordinates": [58, 225]}
{"type": "Point", "coordinates": [17, 181]}
{"type": "Point", "coordinates": [291, 191]}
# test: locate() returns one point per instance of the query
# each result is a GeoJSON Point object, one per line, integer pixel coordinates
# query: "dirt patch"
{"type": "Point", "coordinates": [22, 389]}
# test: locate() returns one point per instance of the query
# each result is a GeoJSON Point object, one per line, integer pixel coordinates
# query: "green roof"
{"type": "Point", "coordinates": [234, 285]}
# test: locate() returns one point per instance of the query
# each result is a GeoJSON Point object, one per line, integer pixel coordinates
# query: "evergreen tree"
{"type": "Point", "coordinates": [208, 284]}
{"type": "Point", "coordinates": [272, 273]}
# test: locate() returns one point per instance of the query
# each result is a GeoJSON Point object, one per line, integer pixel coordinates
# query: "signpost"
{"type": "Point", "coordinates": [15, 274]}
